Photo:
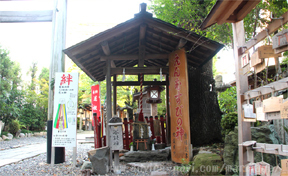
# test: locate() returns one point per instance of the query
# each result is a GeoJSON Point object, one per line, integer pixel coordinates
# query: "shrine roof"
{"type": "Point", "coordinates": [159, 39]}
{"type": "Point", "coordinates": [228, 11]}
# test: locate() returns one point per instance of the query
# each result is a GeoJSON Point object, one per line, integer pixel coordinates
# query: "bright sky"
{"type": "Point", "coordinates": [28, 42]}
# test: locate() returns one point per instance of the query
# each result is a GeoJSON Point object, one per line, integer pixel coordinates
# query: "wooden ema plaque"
{"type": "Point", "coordinates": [280, 41]}
{"type": "Point", "coordinates": [260, 115]}
{"type": "Point", "coordinates": [258, 68]}
{"type": "Point", "coordinates": [179, 107]}
{"type": "Point", "coordinates": [248, 111]}
{"type": "Point", "coordinates": [272, 104]}
{"type": "Point", "coordinates": [284, 166]}
{"type": "Point", "coordinates": [245, 60]}
{"type": "Point", "coordinates": [257, 104]}
{"type": "Point", "coordinates": [284, 109]}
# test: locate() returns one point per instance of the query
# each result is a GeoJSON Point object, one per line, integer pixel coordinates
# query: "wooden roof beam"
{"type": "Point", "coordinates": [142, 45]}
{"type": "Point", "coordinates": [106, 50]}
{"type": "Point", "coordinates": [182, 42]}
{"type": "Point", "coordinates": [137, 70]}
{"type": "Point", "coordinates": [231, 6]}
{"type": "Point", "coordinates": [134, 57]}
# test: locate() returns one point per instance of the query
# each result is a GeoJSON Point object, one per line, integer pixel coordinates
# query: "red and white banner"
{"type": "Point", "coordinates": [95, 101]}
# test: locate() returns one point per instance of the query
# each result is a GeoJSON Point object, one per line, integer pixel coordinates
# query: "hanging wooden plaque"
{"type": "Point", "coordinates": [284, 166]}
{"type": "Point", "coordinates": [244, 60]}
{"type": "Point", "coordinates": [257, 104]}
{"type": "Point", "coordinates": [251, 169]}
{"type": "Point", "coordinates": [284, 109]}
{"type": "Point", "coordinates": [260, 115]}
{"type": "Point", "coordinates": [272, 104]}
{"type": "Point", "coordinates": [272, 115]}
{"type": "Point", "coordinates": [263, 168]}
{"type": "Point", "coordinates": [255, 59]}
{"type": "Point", "coordinates": [258, 68]}
{"type": "Point", "coordinates": [248, 111]}
{"type": "Point", "coordinates": [280, 39]}
{"type": "Point", "coordinates": [266, 51]}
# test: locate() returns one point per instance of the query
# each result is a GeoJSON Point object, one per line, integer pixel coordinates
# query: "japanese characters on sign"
{"type": "Point", "coordinates": [65, 110]}
{"type": "Point", "coordinates": [116, 136]}
{"type": "Point", "coordinates": [179, 107]}
{"type": "Point", "coordinates": [95, 101]}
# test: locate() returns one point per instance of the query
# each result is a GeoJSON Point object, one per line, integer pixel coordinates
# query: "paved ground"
{"type": "Point", "coordinates": [14, 155]}
{"type": "Point", "coordinates": [17, 154]}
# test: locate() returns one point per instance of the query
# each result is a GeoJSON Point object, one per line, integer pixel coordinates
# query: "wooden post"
{"type": "Point", "coordinates": [163, 135]}
{"type": "Point", "coordinates": [168, 119]}
{"type": "Point", "coordinates": [158, 139]}
{"type": "Point", "coordinates": [152, 127]}
{"type": "Point", "coordinates": [109, 106]}
{"type": "Point", "coordinates": [126, 134]}
{"type": "Point", "coordinates": [244, 131]}
{"type": "Point", "coordinates": [131, 130]}
{"type": "Point", "coordinates": [57, 62]}
{"type": "Point", "coordinates": [115, 95]}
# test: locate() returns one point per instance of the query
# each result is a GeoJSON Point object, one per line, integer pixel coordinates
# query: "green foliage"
{"type": "Point", "coordinates": [228, 122]}
{"type": "Point", "coordinates": [25, 131]}
{"type": "Point", "coordinates": [14, 126]}
{"type": "Point", "coordinates": [11, 95]}
{"type": "Point", "coordinates": [228, 100]}
{"type": "Point", "coordinates": [190, 15]}
{"type": "Point", "coordinates": [4, 133]}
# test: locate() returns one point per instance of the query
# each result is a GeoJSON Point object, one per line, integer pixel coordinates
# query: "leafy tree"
{"type": "Point", "coordinates": [190, 14]}
{"type": "Point", "coordinates": [228, 100]}
{"type": "Point", "coordinates": [10, 89]}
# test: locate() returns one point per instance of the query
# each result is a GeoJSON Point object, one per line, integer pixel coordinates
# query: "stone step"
{"type": "Point", "coordinates": [90, 139]}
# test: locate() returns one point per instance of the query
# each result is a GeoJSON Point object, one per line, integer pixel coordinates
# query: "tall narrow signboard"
{"type": "Point", "coordinates": [179, 107]}
{"type": "Point", "coordinates": [65, 110]}
{"type": "Point", "coordinates": [95, 101]}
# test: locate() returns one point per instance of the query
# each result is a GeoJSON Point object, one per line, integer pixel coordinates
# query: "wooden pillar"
{"type": "Point", "coordinates": [109, 106]}
{"type": "Point", "coordinates": [115, 95]}
{"type": "Point", "coordinates": [168, 120]}
{"type": "Point", "coordinates": [244, 131]}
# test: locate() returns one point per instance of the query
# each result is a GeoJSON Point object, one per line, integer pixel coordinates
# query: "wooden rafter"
{"type": "Point", "coordinates": [142, 45]}
{"type": "Point", "coordinates": [106, 50]}
{"type": "Point", "coordinates": [181, 43]}
{"type": "Point", "coordinates": [137, 70]}
{"type": "Point", "coordinates": [133, 57]}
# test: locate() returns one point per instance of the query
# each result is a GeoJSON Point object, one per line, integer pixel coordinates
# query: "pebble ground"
{"type": "Point", "coordinates": [38, 166]}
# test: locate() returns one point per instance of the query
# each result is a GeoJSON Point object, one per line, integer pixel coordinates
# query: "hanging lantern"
{"type": "Point", "coordinates": [154, 92]}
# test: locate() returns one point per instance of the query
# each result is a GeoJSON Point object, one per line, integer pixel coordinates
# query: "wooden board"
{"type": "Point", "coordinates": [284, 109]}
{"type": "Point", "coordinates": [266, 51]}
{"type": "Point", "coordinates": [244, 59]}
{"type": "Point", "coordinates": [248, 111]}
{"type": "Point", "coordinates": [255, 59]}
{"type": "Point", "coordinates": [258, 68]}
{"type": "Point", "coordinates": [272, 115]}
{"type": "Point", "coordinates": [260, 115]}
{"type": "Point", "coordinates": [280, 39]}
{"type": "Point", "coordinates": [281, 49]}
{"type": "Point", "coordinates": [272, 104]}
{"type": "Point", "coordinates": [179, 107]}
{"type": "Point", "coordinates": [257, 104]}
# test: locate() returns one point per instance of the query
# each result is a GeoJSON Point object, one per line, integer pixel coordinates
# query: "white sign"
{"type": "Point", "coordinates": [116, 136]}
{"type": "Point", "coordinates": [65, 110]}
{"type": "Point", "coordinates": [248, 111]}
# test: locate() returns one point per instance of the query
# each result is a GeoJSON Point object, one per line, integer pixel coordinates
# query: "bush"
{"type": "Point", "coordinates": [14, 126]}
{"type": "Point", "coordinates": [228, 122]}
{"type": "Point", "coordinates": [4, 133]}
{"type": "Point", "coordinates": [25, 131]}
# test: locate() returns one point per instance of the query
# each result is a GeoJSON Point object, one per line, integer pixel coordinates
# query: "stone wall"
{"type": "Point", "coordinates": [205, 115]}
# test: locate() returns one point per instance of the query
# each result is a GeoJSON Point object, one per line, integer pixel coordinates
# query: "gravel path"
{"type": "Point", "coordinates": [18, 142]}
{"type": "Point", "coordinates": [38, 166]}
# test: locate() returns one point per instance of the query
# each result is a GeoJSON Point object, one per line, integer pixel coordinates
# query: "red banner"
{"type": "Point", "coordinates": [95, 101]}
